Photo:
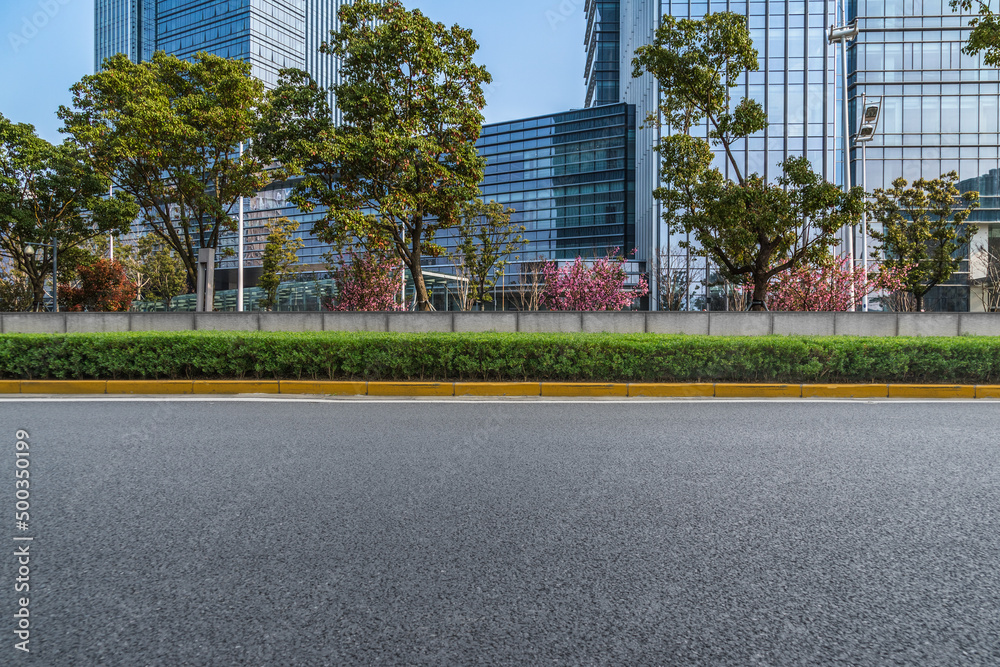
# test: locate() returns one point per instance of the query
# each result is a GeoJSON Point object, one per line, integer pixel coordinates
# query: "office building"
{"type": "Point", "coordinates": [940, 113]}
{"type": "Point", "coordinates": [270, 34]}
{"type": "Point", "coordinates": [795, 84]}
{"type": "Point", "coordinates": [124, 26]}
{"type": "Point", "coordinates": [940, 107]}
{"type": "Point", "coordinates": [570, 178]}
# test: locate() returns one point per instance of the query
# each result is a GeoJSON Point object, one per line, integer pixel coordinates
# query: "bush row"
{"type": "Point", "coordinates": [498, 357]}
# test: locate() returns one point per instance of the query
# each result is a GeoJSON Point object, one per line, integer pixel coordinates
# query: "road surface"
{"type": "Point", "coordinates": [361, 532]}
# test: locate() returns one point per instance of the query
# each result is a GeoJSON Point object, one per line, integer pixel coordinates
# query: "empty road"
{"type": "Point", "coordinates": [362, 532]}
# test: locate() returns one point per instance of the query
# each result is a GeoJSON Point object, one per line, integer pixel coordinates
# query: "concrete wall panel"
{"type": "Point", "coordinates": [34, 323]}
{"type": "Point", "coordinates": [803, 324]}
{"type": "Point", "coordinates": [420, 322]}
{"type": "Point", "coordinates": [97, 322]}
{"type": "Point", "coordinates": [623, 323]}
{"type": "Point", "coordinates": [928, 324]}
{"type": "Point", "coordinates": [539, 322]}
{"type": "Point", "coordinates": [739, 324]}
{"type": "Point", "coordinates": [979, 324]}
{"type": "Point", "coordinates": [226, 322]}
{"type": "Point", "coordinates": [865, 324]}
{"type": "Point", "coordinates": [373, 322]}
{"type": "Point", "coordinates": [692, 324]}
{"type": "Point", "coordinates": [483, 322]}
{"type": "Point", "coordinates": [162, 321]}
{"type": "Point", "coordinates": [291, 321]}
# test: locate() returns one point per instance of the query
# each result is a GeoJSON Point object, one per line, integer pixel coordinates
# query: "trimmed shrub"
{"type": "Point", "coordinates": [498, 357]}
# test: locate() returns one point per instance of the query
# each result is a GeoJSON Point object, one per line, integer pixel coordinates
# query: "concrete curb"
{"type": "Point", "coordinates": [529, 389]}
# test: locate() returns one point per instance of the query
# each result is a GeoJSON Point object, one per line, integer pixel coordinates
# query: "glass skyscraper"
{"type": "Point", "coordinates": [270, 34]}
{"type": "Point", "coordinates": [603, 52]}
{"type": "Point", "coordinates": [795, 84]}
{"type": "Point", "coordinates": [940, 112]}
{"type": "Point", "coordinates": [941, 109]}
{"type": "Point", "coordinates": [124, 26]}
{"type": "Point", "coordinates": [570, 178]}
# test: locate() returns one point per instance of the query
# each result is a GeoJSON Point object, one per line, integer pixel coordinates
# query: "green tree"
{"type": "Point", "coordinates": [15, 290]}
{"type": "Point", "coordinates": [154, 268]}
{"type": "Point", "coordinates": [486, 240]}
{"type": "Point", "coordinates": [985, 35]}
{"type": "Point", "coordinates": [923, 230]}
{"type": "Point", "coordinates": [411, 99]}
{"type": "Point", "coordinates": [51, 192]}
{"type": "Point", "coordinates": [753, 229]}
{"type": "Point", "coordinates": [168, 132]}
{"type": "Point", "coordinates": [281, 254]}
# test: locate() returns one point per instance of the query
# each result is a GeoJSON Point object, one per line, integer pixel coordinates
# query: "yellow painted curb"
{"type": "Point", "coordinates": [323, 387]}
{"type": "Point", "coordinates": [10, 386]}
{"type": "Point", "coordinates": [672, 390]}
{"type": "Point", "coordinates": [411, 389]}
{"type": "Point", "coordinates": [845, 391]}
{"type": "Point", "coordinates": [498, 388]}
{"type": "Point", "coordinates": [931, 391]}
{"type": "Point", "coordinates": [236, 386]}
{"type": "Point", "coordinates": [150, 386]}
{"type": "Point", "coordinates": [63, 386]}
{"type": "Point", "coordinates": [988, 391]}
{"type": "Point", "coordinates": [758, 390]}
{"type": "Point", "coordinates": [579, 389]}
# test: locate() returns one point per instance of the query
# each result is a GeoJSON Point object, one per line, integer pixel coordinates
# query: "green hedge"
{"type": "Point", "coordinates": [495, 357]}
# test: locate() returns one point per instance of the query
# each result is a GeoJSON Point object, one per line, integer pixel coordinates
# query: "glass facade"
{"type": "Point", "coordinates": [570, 178]}
{"type": "Point", "coordinates": [270, 34]}
{"type": "Point", "coordinates": [124, 26]}
{"type": "Point", "coordinates": [940, 111]}
{"type": "Point", "coordinates": [603, 52]}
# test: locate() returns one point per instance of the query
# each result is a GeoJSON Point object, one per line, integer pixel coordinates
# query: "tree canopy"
{"type": "Point", "coordinates": [167, 132]}
{"type": "Point", "coordinates": [51, 193]}
{"type": "Point", "coordinates": [985, 35]}
{"type": "Point", "coordinates": [923, 230]}
{"type": "Point", "coordinates": [486, 239]}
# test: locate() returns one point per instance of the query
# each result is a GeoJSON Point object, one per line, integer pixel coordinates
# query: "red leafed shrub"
{"type": "Point", "coordinates": [103, 287]}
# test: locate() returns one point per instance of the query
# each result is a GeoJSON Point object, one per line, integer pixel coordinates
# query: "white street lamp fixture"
{"type": "Point", "coordinates": [844, 32]}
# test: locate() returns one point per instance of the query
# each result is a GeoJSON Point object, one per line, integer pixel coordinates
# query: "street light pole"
{"type": "Point", "coordinates": [29, 251]}
{"type": "Point", "coordinates": [239, 252]}
{"type": "Point", "coordinates": [869, 123]}
{"type": "Point", "coordinates": [843, 34]}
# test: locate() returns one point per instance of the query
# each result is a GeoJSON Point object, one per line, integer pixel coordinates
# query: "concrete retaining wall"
{"type": "Point", "coordinates": [711, 324]}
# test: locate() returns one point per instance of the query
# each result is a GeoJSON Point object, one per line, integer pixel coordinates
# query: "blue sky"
{"type": "Point", "coordinates": [533, 49]}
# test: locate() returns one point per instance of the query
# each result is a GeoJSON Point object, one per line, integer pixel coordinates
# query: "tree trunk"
{"type": "Point", "coordinates": [759, 294]}
{"type": "Point", "coordinates": [417, 273]}
{"type": "Point", "coordinates": [920, 302]}
{"type": "Point", "coordinates": [38, 290]}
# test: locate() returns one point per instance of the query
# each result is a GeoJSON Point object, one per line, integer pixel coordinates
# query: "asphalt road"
{"type": "Point", "coordinates": [520, 533]}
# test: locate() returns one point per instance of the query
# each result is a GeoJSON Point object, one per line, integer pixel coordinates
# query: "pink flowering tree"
{"type": "Point", "coordinates": [366, 281]}
{"type": "Point", "coordinates": [599, 285]}
{"type": "Point", "coordinates": [827, 286]}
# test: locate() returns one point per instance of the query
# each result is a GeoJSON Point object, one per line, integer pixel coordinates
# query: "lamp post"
{"type": "Point", "coordinates": [869, 123]}
{"type": "Point", "coordinates": [29, 251]}
{"type": "Point", "coordinates": [843, 34]}
{"type": "Point", "coordinates": [239, 252]}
